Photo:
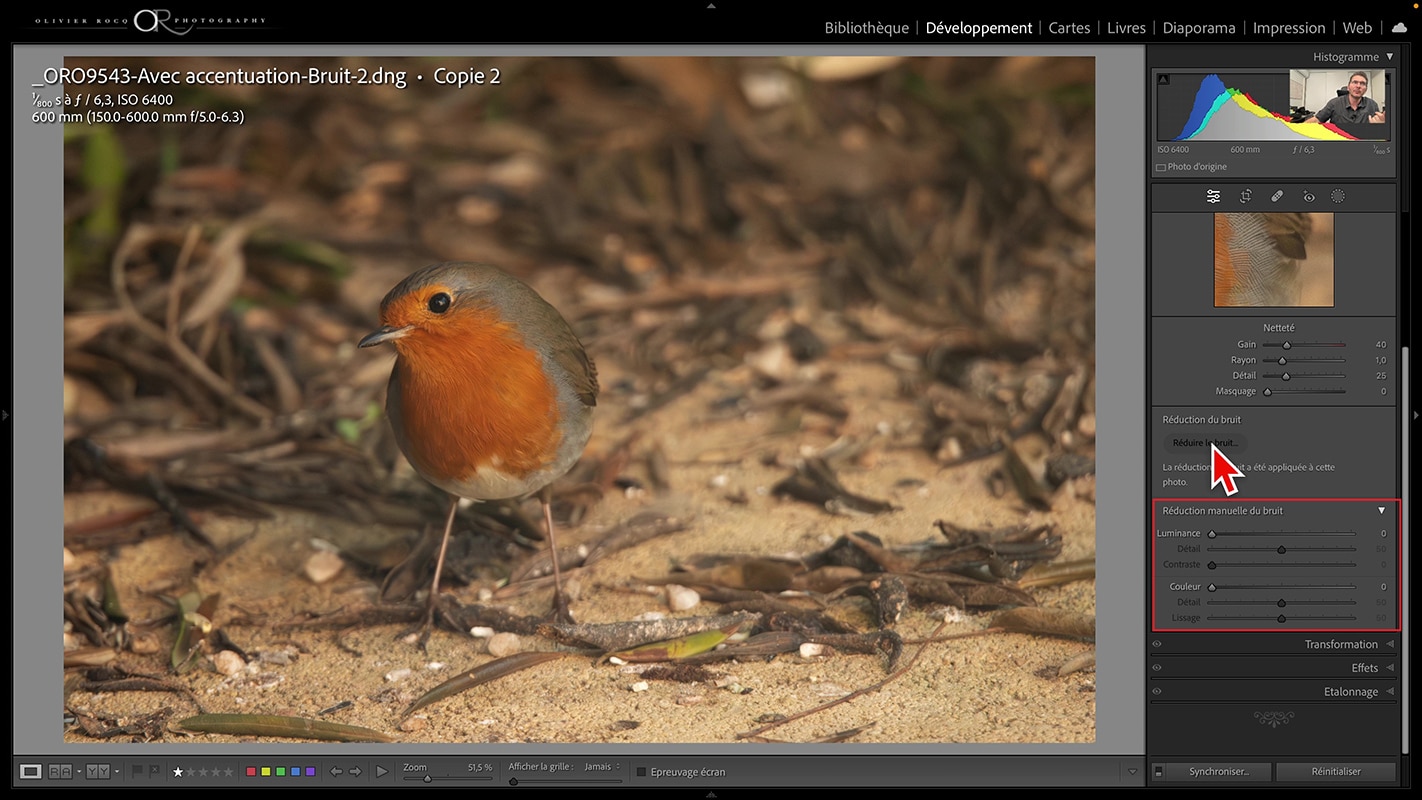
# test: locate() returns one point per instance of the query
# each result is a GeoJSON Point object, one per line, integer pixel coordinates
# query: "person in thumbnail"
{"type": "Point", "coordinates": [1354, 106]}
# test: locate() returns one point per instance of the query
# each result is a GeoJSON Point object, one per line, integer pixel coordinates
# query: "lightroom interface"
{"type": "Point", "coordinates": [862, 399]}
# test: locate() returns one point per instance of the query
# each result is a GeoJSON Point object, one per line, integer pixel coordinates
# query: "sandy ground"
{"type": "Point", "coordinates": [998, 688]}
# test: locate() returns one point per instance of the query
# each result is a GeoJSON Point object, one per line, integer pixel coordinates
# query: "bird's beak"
{"type": "Point", "coordinates": [385, 333]}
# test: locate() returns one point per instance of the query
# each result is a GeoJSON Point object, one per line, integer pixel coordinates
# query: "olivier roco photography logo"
{"type": "Point", "coordinates": [156, 21]}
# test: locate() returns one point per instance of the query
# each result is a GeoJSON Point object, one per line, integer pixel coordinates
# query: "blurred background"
{"type": "Point", "coordinates": [672, 208]}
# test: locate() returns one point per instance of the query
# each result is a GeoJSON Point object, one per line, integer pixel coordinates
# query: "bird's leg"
{"type": "Point", "coordinates": [560, 601]}
{"type": "Point", "coordinates": [439, 567]}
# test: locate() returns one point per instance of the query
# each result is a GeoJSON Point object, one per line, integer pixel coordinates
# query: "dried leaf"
{"type": "Point", "coordinates": [626, 635]}
{"type": "Point", "coordinates": [282, 727]}
{"type": "Point", "coordinates": [676, 649]}
{"type": "Point", "coordinates": [1047, 622]}
{"type": "Point", "coordinates": [480, 675]}
{"type": "Point", "coordinates": [989, 595]}
{"type": "Point", "coordinates": [89, 657]}
{"type": "Point", "coordinates": [1082, 569]}
{"type": "Point", "coordinates": [762, 645]}
{"type": "Point", "coordinates": [1023, 480]}
{"type": "Point", "coordinates": [1078, 663]}
{"type": "Point", "coordinates": [113, 607]}
{"type": "Point", "coordinates": [843, 736]}
{"type": "Point", "coordinates": [825, 579]}
{"type": "Point", "coordinates": [814, 482]}
{"type": "Point", "coordinates": [887, 559]}
{"type": "Point", "coordinates": [932, 589]}
{"type": "Point", "coordinates": [194, 624]}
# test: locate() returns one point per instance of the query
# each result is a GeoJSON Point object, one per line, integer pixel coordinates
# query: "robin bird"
{"type": "Point", "coordinates": [492, 394]}
{"type": "Point", "coordinates": [1256, 258]}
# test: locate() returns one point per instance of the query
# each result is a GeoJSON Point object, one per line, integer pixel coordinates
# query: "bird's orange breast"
{"type": "Point", "coordinates": [474, 396]}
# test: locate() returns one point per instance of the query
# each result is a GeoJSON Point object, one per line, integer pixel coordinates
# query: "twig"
{"type": "Point", "coordinates": [288, 391]}
{"type": "Point", "coordinates": [139, 361]}
{"type": "Point", "coordinates": [159, 491]}
{"type": "Point", "coordinates": [857, 693]}
{"type": "Point", "coordinates": [952, 636]}
{"type": "Point", "coordinates": [175, 286]}
{"type": "Point", "coordinates": [838, 736]}
{"type": "Point", "coordinates": [175, 344]}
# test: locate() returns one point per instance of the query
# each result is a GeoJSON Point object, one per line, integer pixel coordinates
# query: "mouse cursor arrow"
{"type": "Point", "coordinates": [1223, 471]}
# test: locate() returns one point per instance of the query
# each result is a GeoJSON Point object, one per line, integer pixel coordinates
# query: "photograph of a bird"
{"type": "Point", "coordinates": [492, 394]}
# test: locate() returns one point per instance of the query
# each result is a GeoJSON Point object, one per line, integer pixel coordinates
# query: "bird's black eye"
{"type": "Point", "coordinates": [439, 303]}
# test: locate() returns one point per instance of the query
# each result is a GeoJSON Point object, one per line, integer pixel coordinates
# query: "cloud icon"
{"type": "Point", "coordinates": [1399, 28]}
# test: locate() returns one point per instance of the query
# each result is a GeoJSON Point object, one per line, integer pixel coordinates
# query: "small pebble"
{"type": "Point", "coordinates": [950, 614]}
{"type": "Point", "coordinates": [1087, 425]}
{"type": "Point", "coordinates": [480, 632]}
{"type": "Point", "coordinates": [504, 644]}
{"type": "Point", "coordinates": [768, 89]}
{"type": "Point", "coordinates": [322, 566]}
{"type": "Point", "coordinates": [1078, 663]}
{"type": "Point", "coordinates": [680, 598]}
{"type": "Point", "coordinates": [774, 361]}
{"type": "Point", "coordinates": [396, 675]}
{"type": "Point", "coordinates": [640, 686]}
{"type": "Point", "coordinates": [228, 663]}
{"type": "Point", "coordinates": [813, 650]}
{"type": "Point", "coordinates": [950, 450]}
{"type": "Point", "coordinates": [414, 724]}
{"type": "Point", "coordinates": [279, 657]}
